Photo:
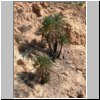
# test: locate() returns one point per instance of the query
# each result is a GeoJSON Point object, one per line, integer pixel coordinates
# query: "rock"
{"type": "Point", "coordinates": [16, 30]}
{"type": "Point", "coordinates": [36, 9]}
{"type": "Point", "coordinates": [79, 68]}
{"type": "Point", "coordinates": [69, 51]}
{"type": "Point", "coordinates": [75, 38]}
{"type": "Point", "coordinates": [38, 91]}
{"type": "Point", "coordinates": [72, 66]}
{"type": "Point", "coordinates": [81, 53]}
{"type": "Point", "coordinates": [21, 62]}
{"type": "Point", "coordinates": [81, 94]}
{"type": "Point", "coordinates": [80, 79]}
{"type": "Point", "coordinates": [66, 73]}
{"type": "Point", "coordinates": [44, 4]}
{"type": "Point", "coordinates": [79, 71]}
{"type": "Point", "coordinates": [62, 8]}
{"type": "Point", "coordinates": [33, 71]}
{"type": "Point", "coordinates": [69, 62]}
{"type": "Point", "coordinates": [77, 34]}
{"type": "Point", "coordinates": [20, 10]}
{"type": "Point", "coordinates": [62, 57]}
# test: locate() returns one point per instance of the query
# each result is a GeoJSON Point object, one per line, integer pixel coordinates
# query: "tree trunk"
{"type": "Point", "coordinates": [60, 51]}
{"type": "Point", "coordinates": [49, 44]}
{"type": "Point", "coordinates": [55, 47]}
{"type": "Point", "coordinates": [50, 48]}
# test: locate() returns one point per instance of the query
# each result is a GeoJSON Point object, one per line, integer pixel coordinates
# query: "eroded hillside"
{"type": "Point", "coordinates": [68, 74]}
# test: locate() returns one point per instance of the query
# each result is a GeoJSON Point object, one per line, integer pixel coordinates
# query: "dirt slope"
{"type": "Point", "coordinates": [68, 74]}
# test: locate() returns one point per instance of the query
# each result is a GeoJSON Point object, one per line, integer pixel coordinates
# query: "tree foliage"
{"type": "Point", "coordinates": [54, 32]}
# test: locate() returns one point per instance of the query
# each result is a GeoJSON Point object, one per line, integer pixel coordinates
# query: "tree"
{"type": "Point", "coordinates": [54, 32]}
{"type": "Point", "coordinates": [63, 39]}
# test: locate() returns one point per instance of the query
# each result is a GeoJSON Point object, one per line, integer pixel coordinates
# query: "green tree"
{"type": "Point", "coordinates": [53, 31]}
{"type": "Point", "coordinates": [62, 39]}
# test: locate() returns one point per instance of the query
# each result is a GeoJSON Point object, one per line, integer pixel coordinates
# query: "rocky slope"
{"type": "Point", "coordinates": [68, 74]}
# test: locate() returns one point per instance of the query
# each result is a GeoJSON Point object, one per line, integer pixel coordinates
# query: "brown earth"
{"type": "Point", "coordinates": [68, 74]}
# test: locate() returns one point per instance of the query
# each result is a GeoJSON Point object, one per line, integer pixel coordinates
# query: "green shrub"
{"type": "Point", "coordinates": [43, 69]}
{"type": "Point", "coordinates": [80, 3]}
{"type": "Point", "coordinates": [43, 61]}
{"type": "Point", "coordinates": [52, 29]}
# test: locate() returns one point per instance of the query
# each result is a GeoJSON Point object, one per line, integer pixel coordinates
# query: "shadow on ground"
{"type": "Point", "coordinates": [33, 47]}
{"type": "Point", "coordinates": [27, 78]}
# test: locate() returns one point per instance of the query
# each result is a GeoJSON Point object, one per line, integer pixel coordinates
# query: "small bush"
{"type": "Point", "coordinates": [24, 28]}
{"type": "Point", "coordinates": [45, 79]}
{"type": "Point", "coordinates": [43, 69]}
{"type": "Point", "coordinates": [63, 39]}
{"type": "Point", "coordinates": [80, 3]}
{"type": "Point", "coordinates": [52, 29]}
{"type": "Point", "coordinates": [43, 61]}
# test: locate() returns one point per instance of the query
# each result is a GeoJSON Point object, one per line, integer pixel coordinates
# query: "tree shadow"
{"type": "Point", "coordinates": [27, 78]}
{"type": "Point", "coordinates": [34, 47]}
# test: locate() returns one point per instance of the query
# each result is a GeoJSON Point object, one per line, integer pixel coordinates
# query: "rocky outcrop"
{"type": "Point", "coordinates": [33, 12]}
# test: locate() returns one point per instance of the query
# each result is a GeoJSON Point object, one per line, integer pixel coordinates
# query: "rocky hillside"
{"type": "Point", "coordinates": [68, 74]}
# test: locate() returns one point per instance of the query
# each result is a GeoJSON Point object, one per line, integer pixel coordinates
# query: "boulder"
{"type": "Point", "coordinates": [36, 9]}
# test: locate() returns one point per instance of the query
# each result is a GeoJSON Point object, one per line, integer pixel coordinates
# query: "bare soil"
{"type": "Point", "coordinates": [68, 73]}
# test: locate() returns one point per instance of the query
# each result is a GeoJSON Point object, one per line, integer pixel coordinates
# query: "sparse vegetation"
{"type": "Point", "coordinates": [49, 49]}
{"type": "Point", "coordinates": [54, 33]}
{"type": "Point", "coordinates": [76, 3]}
{"type": "Point", "coordinates": [80, 3]}
{"type": "Point", "coordinates": [24, 28]}
{"type": "Point", "coordinates": [43, 68]}
{"type": "Point", "coordinates": [62, 39]}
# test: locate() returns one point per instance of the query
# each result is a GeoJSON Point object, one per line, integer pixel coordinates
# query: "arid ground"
{"type": "Point", "coordinates": [68, 73]}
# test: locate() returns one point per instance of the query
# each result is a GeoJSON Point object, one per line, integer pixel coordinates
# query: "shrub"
{"type": "Point", "coordinates": [62, 39]}
{"type": "Point", "coordinates": [43, 69]}
{"type": "Point", "coordinates": [80, 3]}
{"type": "Point", "coordinates": [52, 29]}
{"type": "Point", "coordinates": [24, 28]}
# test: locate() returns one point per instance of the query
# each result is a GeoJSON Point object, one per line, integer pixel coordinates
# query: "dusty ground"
{"type": "Point", "coordinates": [68, 74]}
